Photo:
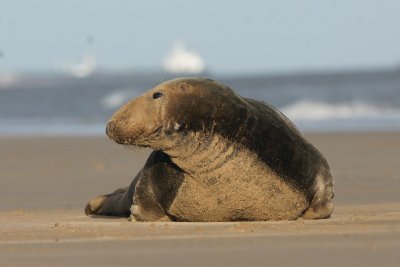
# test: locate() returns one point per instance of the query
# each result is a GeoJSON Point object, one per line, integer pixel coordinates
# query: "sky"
{"type": "Point", "coordinates": [231, 36]}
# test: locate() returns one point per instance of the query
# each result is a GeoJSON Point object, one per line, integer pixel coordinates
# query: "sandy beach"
{"type": "Point", "coordinates": [46, 182]}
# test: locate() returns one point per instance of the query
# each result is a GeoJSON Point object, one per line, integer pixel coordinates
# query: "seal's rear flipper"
{"type": "Point", "coordinates": [318, 211]}
{"type": "Point", "coordinates": [321, 205]}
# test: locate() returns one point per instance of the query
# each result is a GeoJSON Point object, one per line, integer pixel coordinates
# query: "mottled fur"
{"type": "Point", "coordinates": [217, 157]}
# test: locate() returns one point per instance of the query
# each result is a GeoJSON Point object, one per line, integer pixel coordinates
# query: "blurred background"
{"type": "Point", "coordinates": [66, 66]}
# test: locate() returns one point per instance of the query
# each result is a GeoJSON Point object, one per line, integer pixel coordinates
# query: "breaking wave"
{"type": "Point", "coordinates": [306, 110]}
{"type": "Point", "coordinates": [116, 99]}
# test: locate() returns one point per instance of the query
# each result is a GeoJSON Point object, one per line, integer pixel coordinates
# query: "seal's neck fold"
{"type": "Point", "coordinates": [198, 152]}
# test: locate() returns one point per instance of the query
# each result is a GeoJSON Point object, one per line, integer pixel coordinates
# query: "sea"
{"type": "Point", "coordinates": [60, 104]}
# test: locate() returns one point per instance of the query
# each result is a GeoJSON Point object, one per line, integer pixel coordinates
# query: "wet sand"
{"type": "Point", "coordinates": [46, 182]}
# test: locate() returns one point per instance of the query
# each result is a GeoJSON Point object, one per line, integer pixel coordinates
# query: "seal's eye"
{"type": "Point", "coordinates": [157, 95]}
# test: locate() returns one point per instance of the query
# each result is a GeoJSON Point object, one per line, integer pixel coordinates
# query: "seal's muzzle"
{"type": "Point", "coordinates": [110, 128]}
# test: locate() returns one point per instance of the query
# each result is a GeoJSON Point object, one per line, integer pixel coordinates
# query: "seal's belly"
{"type": "Point", "coordinates": [240, 189]}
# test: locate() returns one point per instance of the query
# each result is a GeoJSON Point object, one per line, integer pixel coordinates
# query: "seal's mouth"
{"type": "Point", "coordinates": [114, 133]}
{"type": "Point", "coordinates": [130, 138]}
{"type": "Point", "coordinates": [128, 142]}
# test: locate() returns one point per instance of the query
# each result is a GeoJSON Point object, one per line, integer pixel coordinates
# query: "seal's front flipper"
{"type": "Point", "coordinates": [117, 203]}
{"type": "Point", "coordinates": [145, 205]}
{"type": "Point", "coordinates": [148, 214]}
{"type": "Point", "coordinates": [109, 205]}
{"type": "Point", "coordinates": [155, 189]}
{"type": "Point", "coordinates": [93, 207]}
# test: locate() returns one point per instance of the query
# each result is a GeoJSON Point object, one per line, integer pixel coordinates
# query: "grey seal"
{"type": "Point", "coordinates": [217, 156]}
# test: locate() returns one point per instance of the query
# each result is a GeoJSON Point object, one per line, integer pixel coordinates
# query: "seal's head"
{"type": "Point", "coordinates": [174, 108]}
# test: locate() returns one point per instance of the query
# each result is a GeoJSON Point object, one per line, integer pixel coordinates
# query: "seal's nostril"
{"type": "Point", "coordinates": [110, 127]}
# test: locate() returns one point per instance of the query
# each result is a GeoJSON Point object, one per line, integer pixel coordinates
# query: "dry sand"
{"type": "Point", "coordinates": [46, 182]}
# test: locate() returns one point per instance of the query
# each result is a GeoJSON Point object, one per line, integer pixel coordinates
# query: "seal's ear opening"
{"type": "Point", "coordinates": [184, 87]}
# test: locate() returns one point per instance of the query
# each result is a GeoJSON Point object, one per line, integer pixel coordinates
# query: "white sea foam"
{"type": "Point", "coordinates": [82, 69]}
{"type": "Point", "coordinates": [116, 99]}
{"type": "Point", "coordinates": [319, 111]}
{"type": "Point", "coordinates": [63, 127]}
{"type": "Point", "coordinates": [7, 79]}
